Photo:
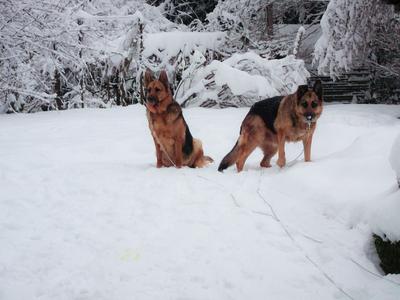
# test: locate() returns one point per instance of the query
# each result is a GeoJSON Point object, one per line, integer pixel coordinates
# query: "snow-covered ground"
{"type": "Point", "coordinates": [85, 214]}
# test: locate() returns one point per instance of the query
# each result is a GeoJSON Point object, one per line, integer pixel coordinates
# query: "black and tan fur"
{"type": "Point", "coordinates": [272, 122]}
{"type": "Point", "coordinates": [174, 143]}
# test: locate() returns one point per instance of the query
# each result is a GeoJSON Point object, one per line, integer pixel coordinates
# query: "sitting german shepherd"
{"type": "Point", "coordinates": [174, 143]}
{"type": "Point", "coordinates": [272, 122]}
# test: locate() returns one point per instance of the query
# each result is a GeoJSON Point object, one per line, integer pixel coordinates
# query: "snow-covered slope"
{"type": "Point", "coordinates": [84, 213]}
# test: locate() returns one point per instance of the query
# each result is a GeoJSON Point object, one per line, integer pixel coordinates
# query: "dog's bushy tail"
{"type": "Point", "coordinates": [230, 158]}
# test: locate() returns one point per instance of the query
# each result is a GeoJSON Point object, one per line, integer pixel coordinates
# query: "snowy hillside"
{"type": "Point", "coordinates": [85, 214]}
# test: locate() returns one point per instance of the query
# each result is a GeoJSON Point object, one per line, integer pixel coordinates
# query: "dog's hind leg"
{"type": "Point", "coordinates": [269, 148]}
{"type": "Point", "coordinates": [251, 133]}
{"type": "Point", "coordinates": [245, 149]}
{"type": "Point", "coordinates": [252, 136]}
{"type": "Point", "coordinates": [199, 159]}
{"type": "Point", "coordinates": [266, 161]}
{"type": "Point", "coordinates": [230, 158]}
{"type": "Point", "coordinates": [244, 153]}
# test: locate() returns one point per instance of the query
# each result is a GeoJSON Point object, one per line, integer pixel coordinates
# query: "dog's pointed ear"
{"type": "Point", "coordinates": [164, 79]}
{"type": "Point", "coordinates": [148, 77]}
{"type": "Point", "coordinates": [318, 89]}
{"type": "Point", "coordinates": [301, 90]}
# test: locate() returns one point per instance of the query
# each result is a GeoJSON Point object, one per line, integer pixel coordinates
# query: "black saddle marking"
{"type": "Point", "coordinates": [268, 110]}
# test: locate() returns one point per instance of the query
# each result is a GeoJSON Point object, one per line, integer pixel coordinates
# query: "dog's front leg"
{"type": "Point", "coordinates": [307, 147]}
{"type": "Point", "coordinates": [281, 149]}
{"type": "Point", "coordinates": [158, 154]}
{"type": "Point", "coordinates": [178, 153]}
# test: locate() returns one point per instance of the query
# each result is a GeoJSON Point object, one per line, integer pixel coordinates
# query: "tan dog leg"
{"type": "Point", "coordinates": [307, 147]}
{"type": "Point", "coordinates": [158, 154]}
{"type": "Point", "coordinates": [281, 149]}
{"type": "Point", "coordinates": [269, 150]}
{"type": "Point", "coordinates": [178, 153]}
{"type": "Point", "coordinates": [244, 152]}
{"type": "Point", "coordinates": [199, 160]}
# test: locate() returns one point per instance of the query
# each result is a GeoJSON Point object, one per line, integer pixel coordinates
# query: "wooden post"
{"type": "Point", "coordinates": [270, 20]}
{"type": "Point", "coordinates": [140, 70]}
{"type": "Point", "coordinates": [57, 85]}
{"type": "Point", "coordinates": [82, 75]}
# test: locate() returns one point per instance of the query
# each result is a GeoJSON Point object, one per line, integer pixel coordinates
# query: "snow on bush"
{"type": "Point", "coordinates": [245, 23]}
{"type": "Point", "coordinates": [93, 53]}
{"type": "Point", "coordinates": [240, 80]}
{"type": "Point", "coordinates": [348, 27]}
{"type": "Point", "coordinates": [297, 42]}
{"type": "Point", "coordinates": [61, 56]}
{"type": "Point", "coordinates": [165, 48]}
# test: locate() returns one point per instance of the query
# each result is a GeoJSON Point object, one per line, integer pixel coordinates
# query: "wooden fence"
{"type": "Point", "coordinates": [354, 86]}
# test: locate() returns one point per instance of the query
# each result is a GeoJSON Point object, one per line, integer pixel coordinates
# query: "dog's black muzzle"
{"type": "Point", "coordinates": [152, 100]}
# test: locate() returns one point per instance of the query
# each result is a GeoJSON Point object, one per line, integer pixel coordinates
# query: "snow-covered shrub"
{"type": "Point", "coordinates": [245, 24]}
{"type": "Point", "coordinates": [240, 80]}
{"type": "Point", "coordinates": [297, 42]}
{"type": "Point", "coordinates": [88, 53]}
{"type": "Point", "coordinates": [171, 51]}
{"type": "Point", "coordinates": [248, 26]}
{"type": "Point", "coordinates": [348, 30]}
{"type": "Point", "coordinates": [80, 53]}
{"type": "Point", "coordinates": [389, 254]}
{"type": "Point", "coordinates": [183, 11]}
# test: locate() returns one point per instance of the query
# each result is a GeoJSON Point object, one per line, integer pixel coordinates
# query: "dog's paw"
{"type": "Point", "coordinates": [264, 164]}
{"type": "Point", "coordinates": [159, 165]}
{"type": "Point", "coordinates": [281, 162]}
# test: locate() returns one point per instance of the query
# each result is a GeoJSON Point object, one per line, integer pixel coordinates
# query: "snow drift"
{"type": "Point", "coordinates": [395, 158]}
{"type": "Point", "coordinates": [383, 214]}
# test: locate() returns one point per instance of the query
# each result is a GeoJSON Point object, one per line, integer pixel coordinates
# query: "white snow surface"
{"type": "Point", "coordinates": [383, 213]}
{"type": "Point", "coordinates": [85, 214]}
{"type": "Point", "coordinates": [395, 157]}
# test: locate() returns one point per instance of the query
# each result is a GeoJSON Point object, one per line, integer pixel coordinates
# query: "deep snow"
{"type": "Point", "coordinates": [84, 213]}
{"type": "Point", "coordinates": [395, 157]}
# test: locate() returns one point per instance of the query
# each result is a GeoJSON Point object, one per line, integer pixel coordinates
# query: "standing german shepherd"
{"type": "Point", "coordinates": [174, 143]}
{"type": "Point", "coordinates": [272, 122]}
